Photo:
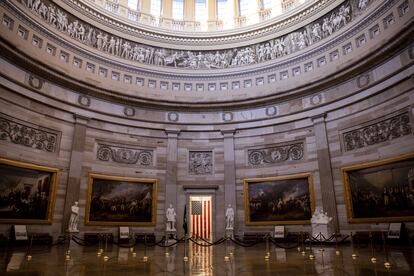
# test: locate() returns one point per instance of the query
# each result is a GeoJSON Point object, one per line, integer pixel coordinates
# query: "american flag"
{"type": "Point", "coordinates": [201, 217]}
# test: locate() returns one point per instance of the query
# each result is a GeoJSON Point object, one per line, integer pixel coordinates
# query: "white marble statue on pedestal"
{"type": "Point", "coordinates": [171, 218]}
{"type": "Point", "coordinates": [320, 224]}
{"type": "Point", "coordinates": [74, 218]}
{"type": "Point", "coordinates": [229, 218]}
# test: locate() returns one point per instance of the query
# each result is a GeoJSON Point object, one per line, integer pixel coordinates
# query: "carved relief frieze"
{"type": "Point", "coordinates": [193, 59]}
{"type": "Point", "coordinates": [200, 162]}
{"type": "Point", "coordinates": [378, 132]}
{"type": "Point", "coordinates": [276, 154]}
{"type": "Point", "coordinates": [30, 136]}
{"type": "Point", "coordinates": [124, 155]}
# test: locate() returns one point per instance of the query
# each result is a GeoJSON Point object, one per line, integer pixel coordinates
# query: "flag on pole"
{"type": "Point", "coordinates": [185, 220]}
{"type": "Point", "coordinates": [200, 218]}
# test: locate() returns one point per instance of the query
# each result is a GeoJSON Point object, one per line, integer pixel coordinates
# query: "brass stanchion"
{"type": "Point", "coordinates": [321, 249]}
{"type": "Point", "coordinates": [67, 253]}
{"type": "Point", "coordinates": [145, 258]}
{"type": "Point", "coordinates": [100, 249]}
{"type": "Point", "coordinates": [226, 257]}
{"type": "Point", "coordinates": [106, 258]}
{"type": "Point", "coordinates": [354, 255]}
{"type": "Point", "coordinates": [267, 255]}
{"type": "Point", "coordinates": [132, 248]}
{"type": "Point", "coordinates": [373, 259]}
{"type": "Point", "coordinates": [303, 244]}
{"type": "Point", "coordinates": [311, 256]}
{"type": "Point", "coordinates": [337, 252]}
{"type": "Point", "coordinates": [185, 259]}
{"type": "Point", "coordinates": [387, 263]}
{"type": "Point", "coordinates": [29, 248]}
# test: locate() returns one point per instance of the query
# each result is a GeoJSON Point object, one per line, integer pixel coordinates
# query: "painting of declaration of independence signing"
{"type": "Point", "coordinates": [26, 192]}
{"type": "Point", "coordinates": [287, 199]}
{"type": "Point", "coordinates": [118, 201]}
{"type": "Point", "coordinates": [380, 191]}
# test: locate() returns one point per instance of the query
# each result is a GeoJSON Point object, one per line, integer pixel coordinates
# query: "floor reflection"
{"type": "Point", "coordinates": [224, 259]}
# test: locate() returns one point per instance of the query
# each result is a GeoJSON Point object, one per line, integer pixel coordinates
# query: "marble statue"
{"type": "Point", "coordinates": [74, 218]}
{"type": "Point", "coordinates": [320, 223]}
{"type": "Point", "coordinates": [229, 218]}
{"type": "Point", "coordinates": [171, 218]}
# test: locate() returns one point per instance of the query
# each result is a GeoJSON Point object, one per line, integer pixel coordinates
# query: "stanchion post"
{"type": "Point", "coordinates": [145, 258]}
{"type": "Point", "coordinates": [185, 259]}
{"type": "Point", "coordinates": [67, 253]}
{"type": "Point", "coordinates": [373, 259]}
{"type": "Point", "coordinates": [29, 248]}
{"type": "Point", "coordinates": [337, 252]}
{"type": "Point", "coordinates": [303, 244]}
{"type": "Point", "coordinates": [267, 255]}
{"type": "Point", "coordinates": [321, 239]}
{"type": "Point", "coordinates": [354, 255]}
{"type": "Point", "coordinates": [106, 258]}
{"type": "Point", "coordinates": [311, 256]}
{"type": "Point", "coordinates": [387, 263]}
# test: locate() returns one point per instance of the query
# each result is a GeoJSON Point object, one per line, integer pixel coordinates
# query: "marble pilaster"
{"type": "Point", "coordinates": [325, 169]}
{"type": "Point", "coordinates": [229, 171]}
{"type": "Point", "coordinates": [75, 167]}
{"type": "Point", "coordinates": [171, 170]}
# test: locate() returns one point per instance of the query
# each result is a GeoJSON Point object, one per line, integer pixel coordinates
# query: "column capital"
{"type": "Point", "coordinates": [317, 119]}
{"type": "Point", "coordinates": [172, 132]}
{"type": "Point", "coordinates": [80, 119]}
{"type": "Point", "coordinates": [228, 133]}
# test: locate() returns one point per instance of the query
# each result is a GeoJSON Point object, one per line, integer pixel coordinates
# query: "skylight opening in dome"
{"type": "Point", "coordinates": [178, 9]}
{"type": "Point", "coordinates": [133, 4]}
{"type": "Point", "coordinates": [199, 15]}
{"type": "Point", "coordinates": [155, 8]}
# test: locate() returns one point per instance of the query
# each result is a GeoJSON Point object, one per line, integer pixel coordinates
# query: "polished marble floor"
{"type": "Point", "coordinates": [223, 259]}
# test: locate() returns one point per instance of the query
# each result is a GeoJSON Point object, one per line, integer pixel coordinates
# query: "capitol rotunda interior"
{"type": "Point", "coordinates": [206, 137]}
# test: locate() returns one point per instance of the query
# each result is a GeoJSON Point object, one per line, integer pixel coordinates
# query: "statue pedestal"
{"type": "Point", "coordinates": [170, 236]}
{"type": "Point", "coordinates": [321, 229]}
{"type": "Point", "coordinates": [230, 233]}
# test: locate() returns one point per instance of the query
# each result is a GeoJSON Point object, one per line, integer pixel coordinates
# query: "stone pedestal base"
{"type": "Point", "coordinates": [230, 233]}
{"type": "Point", "coordinates": [170, 236]}
{"type": "Point", "coordinates": [321, 229]}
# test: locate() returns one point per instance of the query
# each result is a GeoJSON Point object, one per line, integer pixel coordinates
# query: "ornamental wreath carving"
{"type": "Point", "coordinates": [31, 137]}
{"type": "Point", "coordinates": [381, 131]}
{"type": "Point", "coordinates": [200, 162]}
{"type": "Point", "coordinates": [269, 50]}
{"type": "Point", "coordinates": [124, 155]}
{"type": "Point", "coordinates": [276, 154]}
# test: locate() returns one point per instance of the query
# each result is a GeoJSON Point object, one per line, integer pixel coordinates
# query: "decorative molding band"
{"type": "Point", "coordinates": [378, 132]}
{"type": "Point", "coordinates": [276, 154]}
{"type": "Point", "coordinates": [265, 51]}
{"type": "Point", "coordinates": [29, 136]}
{"type": "Point", "coordinates": [124, 155]}
{"type": "Point", "coordinates": [200, 162]}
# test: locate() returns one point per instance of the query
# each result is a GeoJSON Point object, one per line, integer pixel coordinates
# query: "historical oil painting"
{"type": "Point", "coordinates": [26, 192]}
{"type": "Point", "coordinates": [125, 201]}
{"type": "Point", "coordinates": [381, 191]}
{"type": "Point", "coordinates": [279, 200]}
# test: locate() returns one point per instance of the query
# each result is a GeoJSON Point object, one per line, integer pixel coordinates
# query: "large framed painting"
{"type": "Point", "coordinates": [279, 200]}
{"type": "Point", "coordinates": [121, 201]}
{"type": "Point", "coordinates": [380, 191]}
{"type": "Point", "coordinates": [27, 192]}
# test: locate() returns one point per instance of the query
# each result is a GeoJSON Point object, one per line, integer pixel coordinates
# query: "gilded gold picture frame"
{"type": "Point", "coordinates": [380, 191]}
{"type": "Point", "coordinates": [121, 201]}
{"type": "Point", "coordinates": [279, 200]}
{"type": "Point", "coordinates": [27, 192]}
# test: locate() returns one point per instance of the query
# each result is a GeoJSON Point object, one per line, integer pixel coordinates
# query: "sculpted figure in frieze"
{"type": "Point", "coordinates": [261, 52]}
